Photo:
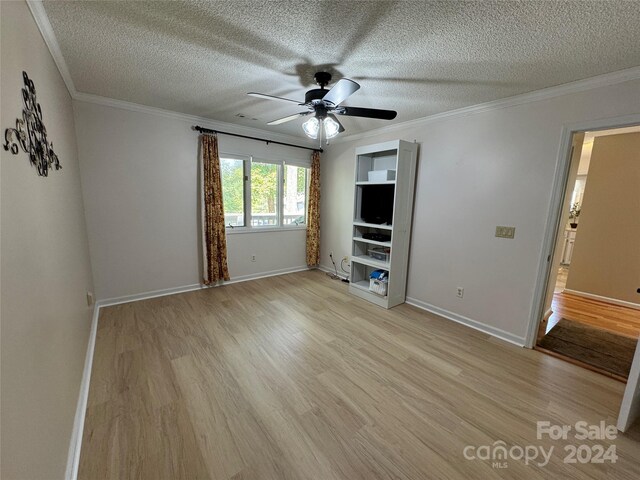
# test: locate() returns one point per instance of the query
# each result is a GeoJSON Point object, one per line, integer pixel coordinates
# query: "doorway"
{"type": "Point", "coordinates": [592, 307]}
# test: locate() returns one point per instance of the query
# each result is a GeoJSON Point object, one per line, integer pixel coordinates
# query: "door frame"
{"type": "Point", "coordinates": [554, 213]}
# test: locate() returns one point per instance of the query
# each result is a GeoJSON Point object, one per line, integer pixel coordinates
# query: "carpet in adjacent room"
{"type": "Point", "coordinates": [594, 346]}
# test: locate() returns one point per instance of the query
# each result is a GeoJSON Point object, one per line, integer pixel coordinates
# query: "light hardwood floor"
{"type": "Point", "coordinates": [614, 318]}
{"type": "Point", "coordinates": [290, 377]}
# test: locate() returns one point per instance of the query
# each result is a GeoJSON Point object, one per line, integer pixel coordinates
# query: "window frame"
{"type": "Point", "coordinates": [279, 210]}
{"type": "Point", "coordinates": [246, 185]}
{"type": "Point", "coordinates": [247, 160]}
{"type": "Point", "coordinates": [306, 189]}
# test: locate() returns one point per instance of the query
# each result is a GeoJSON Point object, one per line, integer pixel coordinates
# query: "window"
{"type": "Point", "coordinates": [295, 195]}
{"type": "Point", "coordinates": [232, 175]}
{"type": "Point", "coordinates": [264, 194]}
{"type": "Point", "coordinates": [260, 193]}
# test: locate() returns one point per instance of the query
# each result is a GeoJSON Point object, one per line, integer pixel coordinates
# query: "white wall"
{"type": "Point", "coordinates": [475, 171]}
{"type": "Point", "coordinates": [45, 270]}
{"type": "Point", "coordinates": [630, 406]}
{"type": "Point", "coordinates": [574, 167]}
{"type": "Point", "coordinates": [140, 186]}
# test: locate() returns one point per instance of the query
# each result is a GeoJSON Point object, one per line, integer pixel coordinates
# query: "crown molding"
{"type": "Point", "coordinates": [604, 80]}
{"type": "Point", "coordinates": [184, 117]}
{"type": "Point", "coordinates": [46, 30]}
{"type": "Point", "coordinates": [42, 21]}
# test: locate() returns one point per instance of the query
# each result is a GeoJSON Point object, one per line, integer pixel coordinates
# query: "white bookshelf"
{"type": "Point", "coordinates": [400, 156]}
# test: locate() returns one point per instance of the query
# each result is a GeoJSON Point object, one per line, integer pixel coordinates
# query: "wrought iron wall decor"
{"type": "Point", "coordinates": [30, 133]}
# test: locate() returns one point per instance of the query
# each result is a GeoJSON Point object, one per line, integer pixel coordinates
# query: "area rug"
{"type": "Point", "coordinates": [593, 346]}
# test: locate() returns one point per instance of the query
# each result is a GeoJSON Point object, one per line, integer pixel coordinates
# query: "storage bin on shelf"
{"type": "Point", "coordinates": [379, 253]}
{"type": "Point", "coordinates": [381, 175]}
{"type": "Point", "coordinates": [378, 281]}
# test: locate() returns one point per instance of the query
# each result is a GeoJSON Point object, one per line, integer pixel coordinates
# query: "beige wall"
{"type": "Point", "coordinates": [606, 255]}
{"type": "Point", "coordinates": [45, 269]}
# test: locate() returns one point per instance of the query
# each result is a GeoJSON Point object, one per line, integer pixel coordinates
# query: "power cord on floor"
{"type": "Point", "coordinates": [348, 272]}
{"type": "Point", "coordinates": [335, 275]}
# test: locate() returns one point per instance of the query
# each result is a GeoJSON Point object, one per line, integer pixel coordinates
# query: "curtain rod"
{"type": "Point", "coordinates": [207, 130]}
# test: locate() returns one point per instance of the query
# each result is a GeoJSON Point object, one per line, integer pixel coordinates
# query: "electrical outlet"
{"type": "Point", "coordinates": [505, 232]}
{"type": "Point", "coordinates": [89, 298]}
{"type": "Point", "coordinates": [253, 258]}
{"type": "Point", "coordinates": [459, 292]}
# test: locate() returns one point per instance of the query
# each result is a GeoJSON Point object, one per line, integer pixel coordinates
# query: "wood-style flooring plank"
{"type": "Point", "coordinates": [614, 318]}
{"type": "Point", "coordinates": [292, 378]}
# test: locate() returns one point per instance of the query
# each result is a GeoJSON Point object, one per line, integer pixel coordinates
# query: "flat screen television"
{"type": "Point", "coordinates": [377, 204]}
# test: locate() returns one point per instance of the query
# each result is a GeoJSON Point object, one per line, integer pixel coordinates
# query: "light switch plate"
{"type": "Point", "coordinates": [505, 232]}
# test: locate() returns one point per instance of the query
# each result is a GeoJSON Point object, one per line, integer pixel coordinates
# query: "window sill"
{"type": "Point", "coordinates": [243, 230]}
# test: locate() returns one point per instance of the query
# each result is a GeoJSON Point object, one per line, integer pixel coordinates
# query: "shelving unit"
{"type": "Point", "coordinates": [388, 182]}
{"type": "Point", "coordinates": [372, 225]}
{"type": "Point", "coordinates": [372, 242]}
{"type": "Point", "coordinates": [395, 201]}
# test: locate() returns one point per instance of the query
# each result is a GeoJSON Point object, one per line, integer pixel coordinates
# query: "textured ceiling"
{"type": "Point", "coordinates": [418, 58]}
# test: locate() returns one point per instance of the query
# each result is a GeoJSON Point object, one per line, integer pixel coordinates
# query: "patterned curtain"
{"type": "Point", "coordinates": [313, 224]}
{"type": "Point", "coordinates": [214, 240]}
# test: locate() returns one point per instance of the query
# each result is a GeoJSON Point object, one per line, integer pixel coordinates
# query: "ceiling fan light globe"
{"type": "Point", "coordinates": [311, 127]}
{"type": "Point", "coordinates": [331, 127]}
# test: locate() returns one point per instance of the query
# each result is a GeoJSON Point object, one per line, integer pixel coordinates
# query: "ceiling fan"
{"type": "Point", "coordinates": [325, 105]}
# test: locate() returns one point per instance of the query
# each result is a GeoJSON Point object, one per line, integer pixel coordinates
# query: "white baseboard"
{"type": "Point", "coordinates": [73, 460]}
{"type": "Point", "coordinates": [493, 331]}
{"type": "Point", "coordinates": [496, 332]}
{"type": "Point", "coordinates": [271, 273]}
{"type": "Point", "coordinates": [613, 301]}
{"type": "Point", "coordinates": [107, 302]}
{"type": "Point", "coordinates": [332, 270]}
{"type": "Point", "coordinates": [196, 286]}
